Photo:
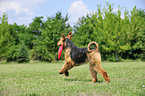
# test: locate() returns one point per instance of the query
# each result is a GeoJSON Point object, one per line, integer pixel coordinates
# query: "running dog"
{"type": "Point", "coordinates": [75, 56]}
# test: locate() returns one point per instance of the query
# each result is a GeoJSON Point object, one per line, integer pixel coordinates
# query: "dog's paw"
{"type": "Point", "coordinates": [108, 80]}
{"type": "Point", "coordinates": [60, 72]}
{"type": "Point", "coordinates": [66, 73]}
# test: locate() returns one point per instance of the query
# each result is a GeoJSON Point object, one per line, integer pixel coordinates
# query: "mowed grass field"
{"type": "Point", "coordinates": [42, 79]}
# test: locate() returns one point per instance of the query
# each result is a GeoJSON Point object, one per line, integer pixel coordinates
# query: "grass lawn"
{"type": "Point", "coordinates": [42, 79]}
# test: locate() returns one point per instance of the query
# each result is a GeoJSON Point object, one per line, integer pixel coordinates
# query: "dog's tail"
{"type": "Point", "coordinates": [97, 46]}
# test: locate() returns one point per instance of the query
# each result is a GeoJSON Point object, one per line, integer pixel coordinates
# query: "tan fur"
{"type": "Point", "coordinates": [67, 53]}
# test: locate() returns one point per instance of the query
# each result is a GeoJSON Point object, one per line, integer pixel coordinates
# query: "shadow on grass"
{"type": "Point", "coordinates": [79, 80]}
{"type": "Point", "coordinates": [32, 94]}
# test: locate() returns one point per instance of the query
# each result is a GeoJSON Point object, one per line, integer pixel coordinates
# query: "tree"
{"type": "Point", "coordinates": [7, 36]}
{"type": "Point", "coordinates": [116, 35]}
{"type": "Point", "coordinates": [34, 30]}
{"type": "Point", "coordinates": [136, 27]}
{"type": "Point", "coordinates": [22, 55]}
{"type": "Point", "coordinates": [141, 13]}
{"type": "Point", "coordinates": [12, 50]}
{"type": "Point", "coordinates": [4, 35]}
{"type": "Point", "coordinates": [34, 27]}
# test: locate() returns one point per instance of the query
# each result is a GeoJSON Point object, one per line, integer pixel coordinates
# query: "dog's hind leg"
{"type": "Point", "coordinates": [93, 74]}
{"type": "Point", "coordinates": [95, 62]}
{"type": "Point", "coordinates": [98, 68]}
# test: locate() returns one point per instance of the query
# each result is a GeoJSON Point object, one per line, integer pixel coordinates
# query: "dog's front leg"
{"type": "Point", "coordinates": [64, 69]}
{"type": "Point", "coordinates": [67, 65]}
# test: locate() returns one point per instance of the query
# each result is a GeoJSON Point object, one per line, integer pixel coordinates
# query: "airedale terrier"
{"type": "Point", "coordinates": [75, 56]}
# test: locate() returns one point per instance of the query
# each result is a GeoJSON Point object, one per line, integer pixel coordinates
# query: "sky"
{"type": "Point", "coordinates": [24, 11]}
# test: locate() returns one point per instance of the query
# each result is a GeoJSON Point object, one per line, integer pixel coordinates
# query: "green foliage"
{"type": "Point", "coordinates": [7, 37]}
{"type": "Point", "coordinates": [22, 55]}
{"type": "Point", "coordinates": [34, 27]}
{"type": "Point", "coordinates": [141, 13]}
{"type": "Point", "coordinates": [25, 36]}
{"type": "Point", "coordinates": [111, 57]}
{"type": "Point", "coordinates": [4, 35]}
{"type": "Point", "coordinates": [34, 31]}
{"type": "Point", "coordinates": [13, 53]}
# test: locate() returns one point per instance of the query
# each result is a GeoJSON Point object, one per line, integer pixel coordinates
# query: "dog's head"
{"type": "Point", "coordinates": [63, 38]}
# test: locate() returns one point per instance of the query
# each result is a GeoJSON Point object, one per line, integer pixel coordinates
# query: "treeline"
{"type": "Point", "coordinates": [118, 38]}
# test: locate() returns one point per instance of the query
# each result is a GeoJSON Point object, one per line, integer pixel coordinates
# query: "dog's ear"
{"type": "Point", "coordinates": [69, 35]}
{"type": "Point", "coordinates": [63, 36]}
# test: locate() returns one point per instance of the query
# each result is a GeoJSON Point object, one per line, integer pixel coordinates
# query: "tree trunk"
{"type": "Point", "coordinates": [143, 55]}
{"type": "Point", "coordinates": [116, 55]}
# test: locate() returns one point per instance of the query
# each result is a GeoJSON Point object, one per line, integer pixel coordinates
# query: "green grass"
{"type": "Point", "coordinates": [42, 79]}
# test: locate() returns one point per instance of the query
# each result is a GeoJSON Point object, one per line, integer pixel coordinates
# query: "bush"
{"type": "Point", "coordinates": [12, 53]}
{"type": "Point", "coordinates": [111, 57]}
